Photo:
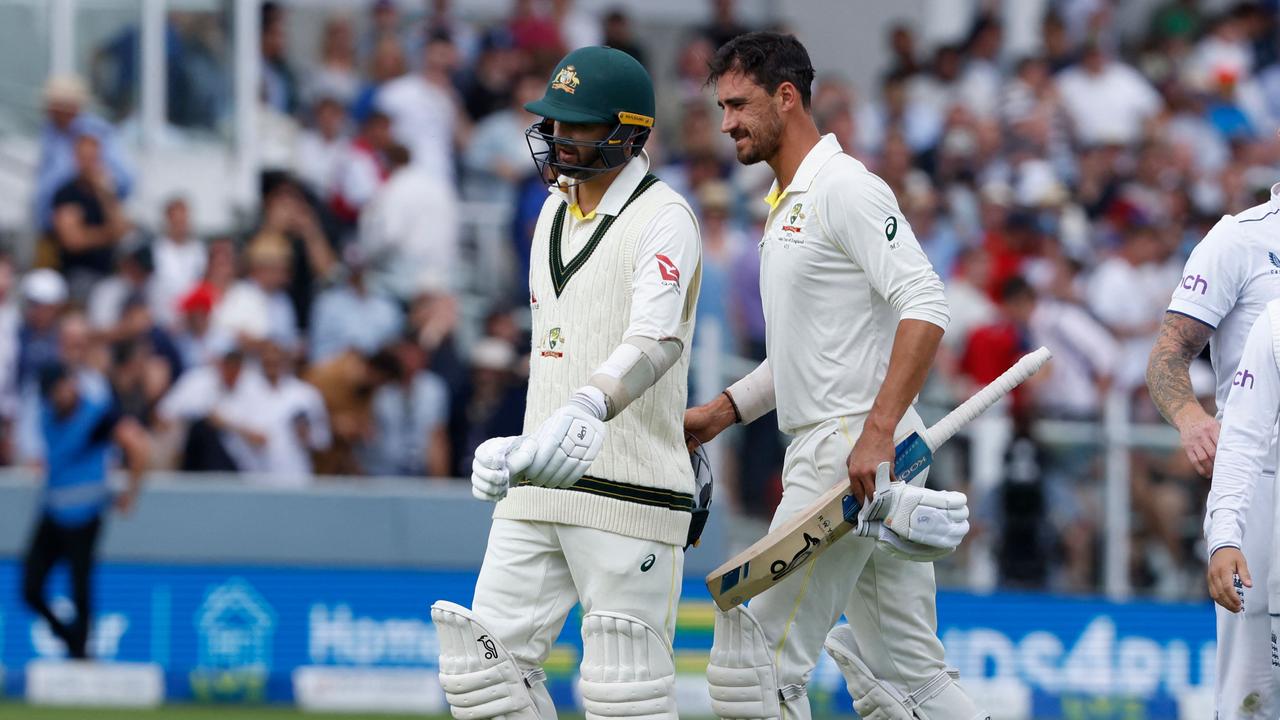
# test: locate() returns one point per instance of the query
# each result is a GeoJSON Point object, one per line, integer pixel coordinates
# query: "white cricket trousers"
{"type": "Point", "coordinates": [889, 602]}
{"type": "Point", "coordinates": [1246, 686]}
{"type": "Point", "coordinates": [535, 572]}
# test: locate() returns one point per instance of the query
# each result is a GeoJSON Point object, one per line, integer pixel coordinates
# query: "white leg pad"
{"type": "Point", "coordinates": [940, 698]}
{"type": "Point", "coordinates": [741, 674]}
{"type": "Point", "coordinates": [480, 679]}
{"type": "Point", "coordinates": [627, 669]}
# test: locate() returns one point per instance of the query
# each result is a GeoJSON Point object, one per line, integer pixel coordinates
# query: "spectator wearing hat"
{"type": "Point", "coordinates": [192, 334]}
{"type": "Point", "coordinates": [44, 293]}
{"type": "Point", "coordinates": [64, 99]}
{"type": "Point", "coordinates": [89, 220]}
{"type": "Point", "coordinates": [353, 315]}
{"type": "Point", "coordinates": [258, 306]}
{"type": "Point", "coordinates": [180, 261]}
{"type": "Point", "coordinates": [79, 432]}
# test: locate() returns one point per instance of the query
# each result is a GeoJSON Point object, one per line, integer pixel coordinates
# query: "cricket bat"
{"type": "Point", "coordinates": [830, 517]}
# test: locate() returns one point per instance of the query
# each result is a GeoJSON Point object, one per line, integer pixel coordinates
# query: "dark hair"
{"type": "Point", "coordinates": [385, 362]}
{"type": "Point", "coordinates": [1016, 288]}
{"type": "Point", "coordinates": [769, 59]}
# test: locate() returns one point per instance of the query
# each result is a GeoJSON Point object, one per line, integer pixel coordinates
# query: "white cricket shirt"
{"type": "Point", "coordinates": [1230, 277]}
{"type": "Point", "coordinates": [1248, 430]}
{"type": "Point", "coordinates": [839, 267]}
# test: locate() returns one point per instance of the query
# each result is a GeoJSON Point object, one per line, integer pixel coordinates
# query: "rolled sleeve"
{"type": "Point", "coordinates": [1248, 426]}
{"type": "Point", "coordinates": [864, 218]}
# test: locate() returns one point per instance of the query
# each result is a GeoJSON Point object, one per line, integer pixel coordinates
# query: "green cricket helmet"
{"type": "Point", "coordinates": [593, 85]}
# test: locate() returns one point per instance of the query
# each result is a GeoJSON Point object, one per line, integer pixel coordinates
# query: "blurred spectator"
{"type": "Point", "coordinates": [323, 147]}
{"type": "Point", "coordinates": [289, 213]}
{"type": "Point", "coordinates": [967, 298]}
{"type": "Point", "coordinates": [192, 334]}
{"type": "Point", "coordinates": [1126, 295]}
{"type": "Point", "coordinates": [336, 76]}
{"type": "Point", "coordinates": [64, 100]}
{"type": "Point", "coordinates": [491, 405]}
{"type": "Point", "coordinates": [902, 50]}
{"type": "Point", "coordinates": [10, 325]}
{"type": "Point", "coordinates": [487, 87]}
{"type": "Point", "coordinates": [433, 320]}
{"type": "Point", "coordinates": [497, 158]}
{"type": "Point", "coordinates": [44, 293]}
{"type": "Point", "coordinates": [353, 316]}
{"type": "Point", "coordinates": [385, 26]}
{"type": "Point", "coordinates": [1086, 357]}
{"type": "Point", "coordinates": [180, 261]}
{"type": "Point", "coordinates": [213, 408]}
{"type": "Point", "coordinates": [410, 229]}
{"type": "Point", "coordinates": [441, 20]}
{"type": "Point", "coordinates": [75, 347]}
{"type": "Point", "coordinates": [996, 346]}
{"type": "Point", "coordinates": [362, 169]}
{"type": "Point", "coordinates": [291, 416]}
{"type": "Point", "coordinates": [425, 113]}
{"type": "Point", "coordinates": [535, 33]}
{"type": "Point", "coordinates": [79, 432]}
{"type": "Point", "coordinates": [348, 383]}
{"type": "Point", "coordinates": [133, 279]}
{"type": "Point", "coordinates": [578, 27]}
{"type": "Point", "coordinates": [1107, 100]}
{"type": "Point", "coordinates": [223, 268]}
{"type": "Point", "coordinates": [980, 82]}
{"type": "Point", "coordinates": [724, 25]}
{"type": "Point", "coordinates": [619, 34]}
{"type": "Point", "coordinates": [387, 63]}
{"type": "Point", "coordinates": [88, 219]}
{"type": "Point", "coordinates": [279, 83]}
{"type": "Point", "coordinates": [258, 307]}
{"type": "Point", "coordinates": [412, 416]}
{"type": "Point", "coordinates": [721, 245]}
{"type": "Point", "coordinates": [139, 379]}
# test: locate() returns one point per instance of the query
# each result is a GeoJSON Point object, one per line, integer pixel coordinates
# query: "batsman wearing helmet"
{"type": "Point", "coordinates": [594, 501]}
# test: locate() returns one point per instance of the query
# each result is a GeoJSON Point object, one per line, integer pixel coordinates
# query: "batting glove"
{"type": "Point", "coordinates": [564, 446]}
{"type": "Point", "coordinates": [912, 522]}
{"type": "Point", "coordinates": [490, 477]}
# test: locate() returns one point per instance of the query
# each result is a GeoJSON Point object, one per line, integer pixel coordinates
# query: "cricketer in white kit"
{"type": "Point", "coordinates": [1227, 282]}
{"type": "Point", "coordinates": [594, 500]}
{"type": "Point", "coordinates": [853, 315]}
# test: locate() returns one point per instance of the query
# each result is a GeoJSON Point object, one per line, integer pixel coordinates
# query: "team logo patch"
{"type": "Point", "coordinates": [795, 216]}
{"type": "Point", "coordinates": [566, 80]}
{"type": "Point", "coordinates": [890, 228]}
{"type": "Point", "coordinates": [553, 340]}
{"type": "Point", "coordinates": [668, 270]}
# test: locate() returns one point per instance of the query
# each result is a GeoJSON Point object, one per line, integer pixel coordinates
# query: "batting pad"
{"type": "Point", "coordinates": [480, 680]}
{"type": "Point", "coordinates": [627, 669]}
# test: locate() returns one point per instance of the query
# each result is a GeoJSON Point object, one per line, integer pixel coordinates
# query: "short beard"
{"type": "Point", "coordinates": [765, 142]}
{"type": "Point", "coordinates": [595, 160]}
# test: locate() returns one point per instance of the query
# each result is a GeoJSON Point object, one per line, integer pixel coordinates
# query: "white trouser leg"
{"type": "Point", "coordinates": [894, 619]}
{"type": "Point", "coordinates": [630, 590]}
{"type": "Point", "coordinates": [523, 595]}
{"type": "Point", "coordinates": [1246, 688]}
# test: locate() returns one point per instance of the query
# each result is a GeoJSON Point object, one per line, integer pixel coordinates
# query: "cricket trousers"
{"type": "Point", "coordinates": [1246, 685]}
{"type": "Point", "coordinates": [535, 572]}
{"type": "Point", "coordinates": [888, 602]}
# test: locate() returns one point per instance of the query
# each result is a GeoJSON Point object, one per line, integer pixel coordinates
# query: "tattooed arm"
{"type": "Point", "coordinates": [1169, 381]}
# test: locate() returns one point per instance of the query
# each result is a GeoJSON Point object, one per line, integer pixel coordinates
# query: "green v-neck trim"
{"type": "Point", "coordinates": [560, 272]}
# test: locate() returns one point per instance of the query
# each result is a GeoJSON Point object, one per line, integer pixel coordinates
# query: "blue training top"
{"type": "Point", "coordinates": [77, 448]}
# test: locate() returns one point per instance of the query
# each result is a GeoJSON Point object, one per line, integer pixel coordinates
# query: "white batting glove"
{"type": "Point", "coordinates": [564, 446]}
{"type": "Point", "coordinates": [490, 477]}
{"type": "Point", "coordinates": [912, 522]}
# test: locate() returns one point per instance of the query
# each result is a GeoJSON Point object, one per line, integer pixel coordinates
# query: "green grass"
{"type": "Point", "coordinates": [12, 711]}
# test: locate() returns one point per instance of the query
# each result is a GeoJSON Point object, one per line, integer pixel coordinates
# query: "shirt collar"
{"type": "Point", "coordinates": [615, 197]}
{"type": "Point", "coordinates": [808, 170]}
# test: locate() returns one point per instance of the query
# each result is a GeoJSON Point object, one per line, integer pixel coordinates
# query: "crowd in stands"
{"type": "Point", "coordinates": [1057, 193]}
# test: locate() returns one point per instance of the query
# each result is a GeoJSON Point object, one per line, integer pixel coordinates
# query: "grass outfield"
{"type": "Point", "coordinates": [13, 711]}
